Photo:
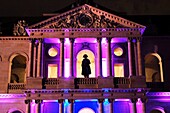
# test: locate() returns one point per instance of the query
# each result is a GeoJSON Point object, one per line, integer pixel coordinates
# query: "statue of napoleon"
{"type": "Point", "coordinates": [86, 71]}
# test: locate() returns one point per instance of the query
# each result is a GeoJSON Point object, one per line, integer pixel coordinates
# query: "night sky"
{"type": "Point", "coordinates": [38, 7]}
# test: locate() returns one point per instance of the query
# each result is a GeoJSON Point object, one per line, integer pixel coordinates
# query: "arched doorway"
{"type": "Point", "coordinates": [86, 110]}
{"type": "Point", "coordinates": [18, 69]}
{"type": "Point", "coordinates": [91, 57]}
{"type": "Point", "coordinates": [153, 68]}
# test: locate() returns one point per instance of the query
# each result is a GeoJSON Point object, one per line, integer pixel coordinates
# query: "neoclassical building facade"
{"type": "Point", "coordinates": [41, 66]}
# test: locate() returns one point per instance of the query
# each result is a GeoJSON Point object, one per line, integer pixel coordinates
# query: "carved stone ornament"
{"type": "Point", "coordinates": [85, 18]}
{"type": "Point", "coordinates": [19, 28]}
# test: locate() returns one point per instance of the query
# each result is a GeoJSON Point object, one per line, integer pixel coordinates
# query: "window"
{"type": "Point", "coordinates": [119, 70]}
{"type": "Point", "coordinates": [52, 70]}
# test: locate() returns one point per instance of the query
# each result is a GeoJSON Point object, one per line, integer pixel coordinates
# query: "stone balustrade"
{"type": "Point", "coordinates": [74, 83]}
{"type": "Point", "coordinates": [16, 87]}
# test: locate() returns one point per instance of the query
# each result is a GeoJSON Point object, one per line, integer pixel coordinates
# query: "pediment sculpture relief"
{"type": "Point", "coordinates": [84, 19]}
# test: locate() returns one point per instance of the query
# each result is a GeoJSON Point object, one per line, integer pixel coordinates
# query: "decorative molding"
{"type": "Point", "coordinates": [19, 28]}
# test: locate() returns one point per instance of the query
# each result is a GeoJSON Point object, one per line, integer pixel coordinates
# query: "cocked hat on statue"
{"type": "Point", "coordinates": [85, 56]}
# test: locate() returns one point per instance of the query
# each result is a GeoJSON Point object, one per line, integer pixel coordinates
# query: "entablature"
{"type": "Point", "coordinates": [85, 32]}
{"type": "Point", "coordinates": [109, 93]}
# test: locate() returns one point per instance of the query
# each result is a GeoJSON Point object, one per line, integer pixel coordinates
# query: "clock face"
{"type": "Point", "coordinates": [85, 20]}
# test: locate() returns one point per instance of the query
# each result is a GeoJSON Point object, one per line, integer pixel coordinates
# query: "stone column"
{"type": "Point", "coordinates": [35, 59]}
{"type": "Point", "coordinates": [136, 57]}
{"type": "Point", "coordinates": [39, 58]}
{"type": "Point", "coordinates": [42, 58]}
{"type": "Point", "coordinates": [111, 101]}
{"type": "Point", "coordinates": [71, 101]}
{"type": "Point", "coordinates": [99, 57]}
{"type": "Point", "coordinates": [133, 106]}
{"type": "Point", "coordinates": [61, 109]}
{"type": "Point", "coordinates": [62, 57]}
{"type": "Point", "coordinates": [139, 56]}
{"type": "Point", "coordinates": [31, 55]}
{"type": "Point", "coordinates": [109, 62]}
{"type": "Point", "coordinates": [100, 109]}
{"type": "Point", "coordinates": [38, 105]}
{"type": "Point", "coordinates": [29, 66]}
{"type": "Point", "coordinates": [28, 106]}
{"type": "Point", "coordinates": [143, 100]}
{"type": "Point", "coordinates": [130, 56]}
{"type": "Point", "coordinates": [71, 57]}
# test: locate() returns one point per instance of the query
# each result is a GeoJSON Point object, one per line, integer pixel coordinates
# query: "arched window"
{"type": "Point", "coordinates": [153, 68]}
{"type": "Point", "coordinates": [18, 72]}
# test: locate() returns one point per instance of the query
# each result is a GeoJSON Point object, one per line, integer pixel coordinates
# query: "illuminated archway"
{"type": "Point", "coordinates": [91, 57]}
{"type": "Point", "coordinates": [86, 110]}
{"type": "Point", "coordinates": [153, 68]}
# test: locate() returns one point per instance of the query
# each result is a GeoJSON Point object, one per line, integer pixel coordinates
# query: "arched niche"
{"type": "Point", "coordinates": [79, 57]}
{"type": "Point", "coordinates": [18, 64]}
{"type": "Point", "coordinates": [153, 68]}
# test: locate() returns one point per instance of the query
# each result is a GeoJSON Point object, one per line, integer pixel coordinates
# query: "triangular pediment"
{"type": "Point", "coordinates": [85, 16]}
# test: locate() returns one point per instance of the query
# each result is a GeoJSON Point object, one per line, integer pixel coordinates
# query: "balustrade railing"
{"type": "Point", "coordinates": [86, 81]}
{"type": "Point", "coordinates": [52, 81]}
{"type": "Point", "coordinates": [122, 82]}
{"type": "Point", "coordinates": [16, 86]}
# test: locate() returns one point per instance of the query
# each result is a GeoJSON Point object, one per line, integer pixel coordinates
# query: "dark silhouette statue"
{"type": "Point", "coordinates": [86, 71]}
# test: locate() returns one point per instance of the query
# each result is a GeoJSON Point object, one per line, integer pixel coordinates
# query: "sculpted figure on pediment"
{"type": "Point", "coordinates": [84, 19]}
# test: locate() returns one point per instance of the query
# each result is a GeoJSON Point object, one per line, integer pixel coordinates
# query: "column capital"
{"type": "Point", "coordinates": [38, 101]}
{"type": "Point", "coordinates": [60, 100]}
{"type": "Point", "coordinates": [138, 39]}
{"type": "Point", "coordinates": [144, 100]}
{"type": "Point", "coordinates": [62, 40]}
{"type": "Point", "coordinates": [72, 40]}
{"type": "Point", "coordinates": [99, 39]}
{"type": "Point", "coordinates": [40, 40]}
{"type": "Point", "coordinates": [129, 39]}
{"type": "Point", "coordinates": [108, 39]}
{"type": "Point", "coordinates": [133, 100]}
{"type": "Point", "coordinates": [71, 100]}
{"type": "Point", "coordinates": [111, 100]}
{"type": "Point", "coordinates": [28, 101]}
{"type": "Point", "coordinates": [100, 100]}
